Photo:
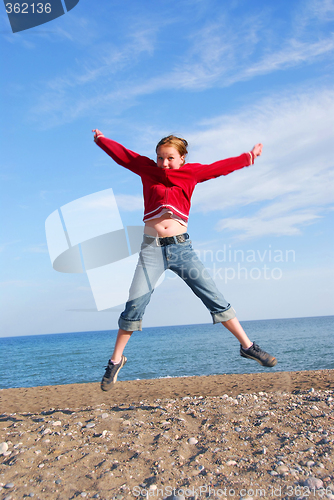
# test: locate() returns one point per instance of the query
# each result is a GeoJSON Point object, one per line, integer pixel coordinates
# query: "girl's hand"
{"type": "Point", "coordinates": [97, 134]}
{"type": "Point", "coordinates": [257, 150]}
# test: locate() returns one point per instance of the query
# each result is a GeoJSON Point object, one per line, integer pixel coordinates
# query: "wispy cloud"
{"type": "Point", "coordinates": [94, 76]}
{"type": "Point", "coordinates": [47, 194]}
{"type": "Point", "coordinates": [39, 248]}
{"type": "Point", "coordinates": [129, 203]}
{"type": "Point", "coordinates": [291, 185]}
{"type": "Point", "coordinates": [256, 227]}
{"type": "Point", "coordinates": [5, 245]}
{"type": "Point", "coordinates": [18, 284]}
{"type": "Point", "coordinates": [218, 54]}
{"type": "Point", "coordinates": [310, 13]}
{"type": "Point", "coordinates": [107, 61]}
{"type": "Point", "coordinates": [293, 54]}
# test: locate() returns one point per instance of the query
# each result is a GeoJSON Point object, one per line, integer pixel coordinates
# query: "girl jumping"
{"type": "Point", "coordinates": [168, 184]}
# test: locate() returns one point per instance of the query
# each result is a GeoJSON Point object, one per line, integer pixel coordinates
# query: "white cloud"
{"type": "Point", "coordinates": [310, 12]}
{"type": "Point", "coordinates": [293, 54]}
{"type": "Point", "coordinates": [39, 248]}
{"type": "Point", "coordinates": [255, 227]}
{"type": "Point", "coordinates": [8, 244]}
{"type": "Point", "coordinates": [214, 55]}
{"type": "Point", "coordinates": [129, 203]}
{"type": "Point", "coordinates": [107, 61]}
{"type": "Point", "coordinates": [18, 283]}
{"type": "Point", "coordinates": [86, 87]}
{"type": "Point", "coordinates": [291, 185]}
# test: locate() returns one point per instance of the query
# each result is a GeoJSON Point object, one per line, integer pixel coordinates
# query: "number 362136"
{"type": "Point", "coordinates": [25, 8]}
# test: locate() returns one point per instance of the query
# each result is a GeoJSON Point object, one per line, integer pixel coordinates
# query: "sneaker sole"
{"type": "Point", "coordinates": [272, 363]}
{"type": "Point", "coordinates": [109, 385]}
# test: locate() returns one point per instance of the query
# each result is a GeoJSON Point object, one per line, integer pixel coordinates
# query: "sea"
{"type": "Point", "coordinates": [167, 351]}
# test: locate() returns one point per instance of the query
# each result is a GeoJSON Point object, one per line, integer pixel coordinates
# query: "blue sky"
{"type": "Point", "coordinates": [224, 75]}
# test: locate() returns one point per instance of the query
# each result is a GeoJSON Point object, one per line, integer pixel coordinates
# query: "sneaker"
{"type": "Point", "coordinates": [255, 352]}
{"type": "Point", "coordinates": [110, 376]}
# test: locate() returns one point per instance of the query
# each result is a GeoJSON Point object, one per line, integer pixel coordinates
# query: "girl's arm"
{"type": "Point", "coordinates": [121, 155]}
{"type": "Point", "coordinates": [225, 167]}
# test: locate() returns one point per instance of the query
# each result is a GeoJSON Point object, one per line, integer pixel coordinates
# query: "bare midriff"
{"type": "Point", "coordinates": [164, 226]}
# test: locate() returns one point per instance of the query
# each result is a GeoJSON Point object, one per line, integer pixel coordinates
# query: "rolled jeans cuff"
{"type": "Point", "coordinates": [223, 316]}
{"type": "Point", "coordinates": [129, 325]}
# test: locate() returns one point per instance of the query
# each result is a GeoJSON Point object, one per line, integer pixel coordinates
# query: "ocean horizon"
{"type": "Point", "coordinates": [165, 351]}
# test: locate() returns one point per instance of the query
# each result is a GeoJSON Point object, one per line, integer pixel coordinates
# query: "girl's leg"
{"type": "Point", "coordinates": [149, 269]}
{"type": "Point", "coordinates": [249, 349]}
{"type": "Point", "coordinates": [121, 341]}
{"type": "Point", "coordinates": [116, 362]}
{"type": "Point", "coordinates": [186, 264]}
{"type": "Point", "coordinates": [193, 272]}
{"type": "Point", "coordinates": [234, 327]}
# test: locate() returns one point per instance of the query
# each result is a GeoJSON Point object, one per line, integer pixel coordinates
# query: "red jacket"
{"type": "Point", "coordinates": [170, 188]}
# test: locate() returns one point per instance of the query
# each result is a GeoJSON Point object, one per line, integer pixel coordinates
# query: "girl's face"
{"type": "Point", "coordinates": [169, 157]}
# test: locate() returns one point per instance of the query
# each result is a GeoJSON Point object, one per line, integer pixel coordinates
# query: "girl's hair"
{"type": "Point", "coordinates": [176, 142]}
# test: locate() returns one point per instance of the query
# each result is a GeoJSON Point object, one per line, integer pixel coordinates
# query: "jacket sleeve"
{"type": "Point", "coordinates": [125, 157]}
{"type": "Point", "coordinates": [222, 167]}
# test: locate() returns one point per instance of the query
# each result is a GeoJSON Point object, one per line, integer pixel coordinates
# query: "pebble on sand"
{"type": "Point", "coordinates": [3, 447]}
{"type": "Point", "coordinates": [231, 462]}
{"type": "Point", "coordinates": [282, 469]}
{"type": "Point", "coordinates": [91, 456]}
{"type": "Point", "coordinates": [314, 482]}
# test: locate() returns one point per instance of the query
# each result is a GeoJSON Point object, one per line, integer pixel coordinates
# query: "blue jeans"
{"type": "Point", "coordinates": [182, 260]}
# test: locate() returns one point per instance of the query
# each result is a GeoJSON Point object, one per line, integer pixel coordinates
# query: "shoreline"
{"type": "Point", "coordinates": [224, 436]}
{"type": "Point", "coordinates": [27, 399]}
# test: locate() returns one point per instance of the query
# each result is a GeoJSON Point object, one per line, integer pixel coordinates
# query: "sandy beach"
{"type": "Point", "coordinates": [227, 436]}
